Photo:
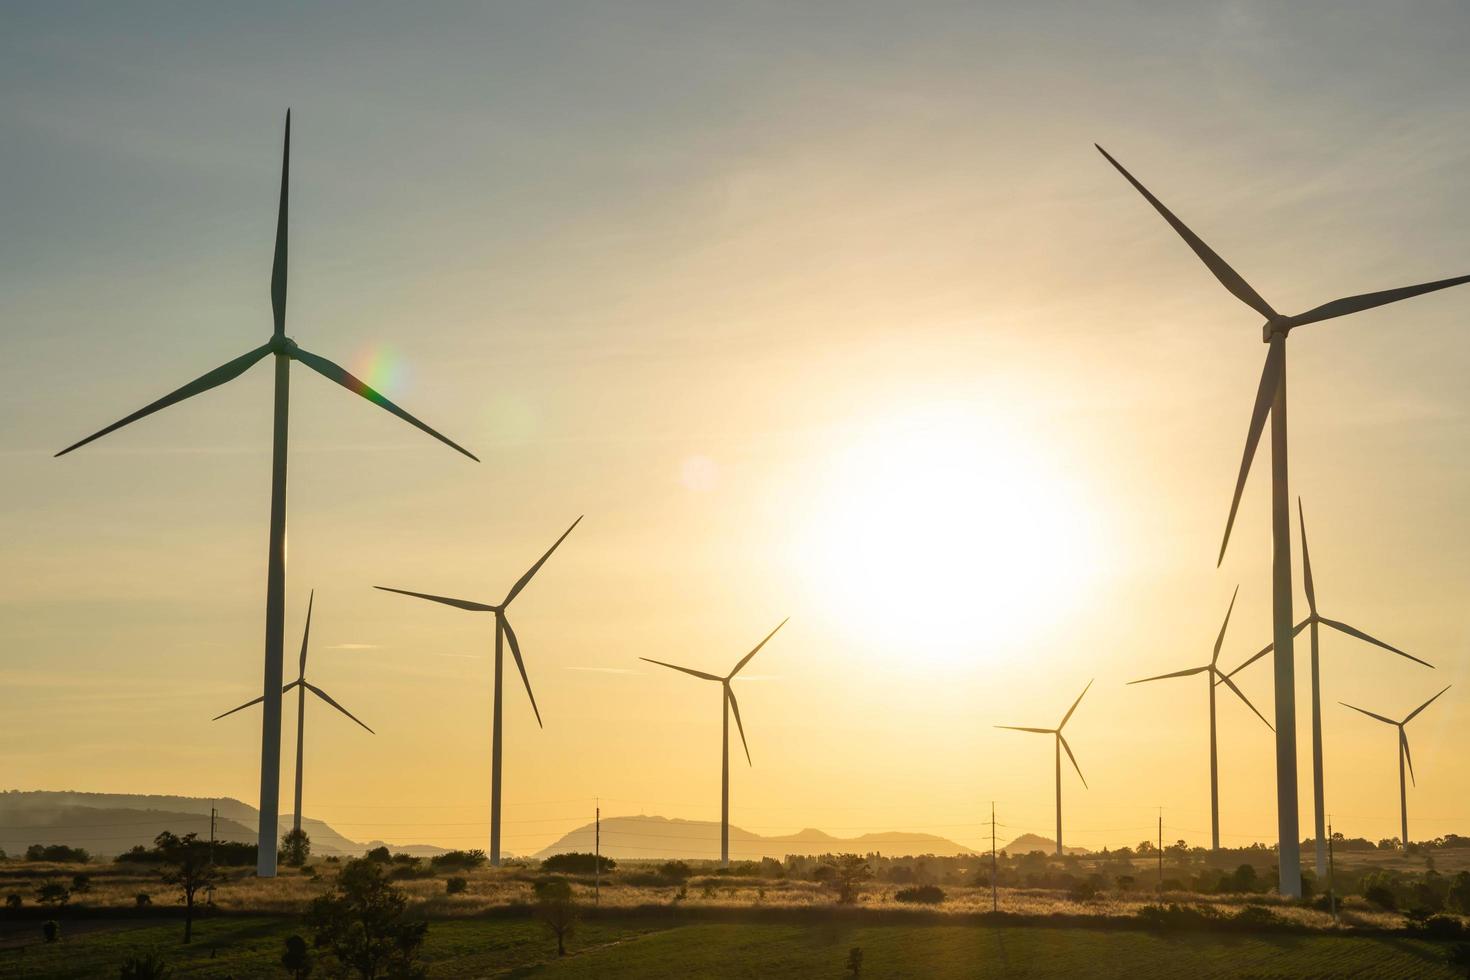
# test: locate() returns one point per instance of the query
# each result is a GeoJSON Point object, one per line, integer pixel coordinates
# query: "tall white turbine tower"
{"type": "Point", "coordinates": [1061, 744]}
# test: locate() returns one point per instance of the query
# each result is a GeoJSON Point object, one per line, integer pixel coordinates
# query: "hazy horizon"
{"type": "Point", "coordinates": [831, 313]}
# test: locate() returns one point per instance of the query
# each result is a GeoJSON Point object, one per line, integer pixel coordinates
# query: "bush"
{"type": "Point", "coordinates": [1381, 896]}
{"type": "Point", "coordinates": [380, 855]}
{"type": "Point", "coordinates": [922, 895]}
{"type": "Point", "coordinates": [51, 930]}
{"type": "Point", "coordinates": [53, 893]}
{"type": "Point", "coordinates": [1443, 927]}
{"type": "Point", "coordinates": [577, 862]}
{"type": "Point", "coordinates": [81, 884]}
{"type": "Point", "coordinates": [57, 852]}
{"type": "Point", "coordinates": [13, 900]}
{"type": "Point", "coordinates": [149, 966]}
{"type": "Point", "coordinates": [297, 958]}
{"type": "Point", "coordinates": [1082, 891]}
{"type": "Point", "coordinates": [456, 860]}
{"type": "Point", "coordinates": [362, 922]}
{"type": "Point", "coordinates": [456, 885]}
{"type": "Point", "coordinates": [1175, 916]}
{"type": "Point", "coordinates": [675, 871]}
{"type": "Point", "coordinates": [855, 961]}
{"type": "Point", "coordinates": [142, 900]}
{"type": "Point", "coordinates": [1256, 917]}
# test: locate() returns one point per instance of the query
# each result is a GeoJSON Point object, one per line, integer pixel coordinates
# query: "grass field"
{"type": "Point", "coordinates": [643, 947]}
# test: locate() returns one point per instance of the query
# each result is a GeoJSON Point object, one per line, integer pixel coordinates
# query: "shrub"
{"type": "Point", "coordinates": [13, 900]}
{"type": "Point", "coordinates": [57, 852]}
{"type": "Point", "coordinates": [142, 900]}
{"type": "Point", "coordinates": [455, 860]}
{"type": "Point", "coordinates": [297, 958]}
{"type": "Point", "coordinates": [456, 885]}
{"type": "Point", "coordinates": [81, 884]}
{"type": "Point", "coordinates": [1459, 955]}
{"type": "Point", "coordinates": [53, 893]}
{"type": "Point", "coordinates": [149, 966]}
{"type": "Point", "coordinates": [1443, 927]}
{"type": "Point", "coordinates": [381, 855]}
{"type": "Point", "coordinates": [855, 961]}
{"type": "Point", "coordinates": [576, 862]}
{"type": "Point", "coordinates": [922, 895]}
{"type": "Point", "coordinates": [1082, 891]}
{"type": "Point", "coordinates": [1256, 917]}
{"type": "Point", "coordinates": [1175, 916]}
{"type": "Point", "coordinates": [675, 871]}
{"type": "Point", "coordinates": [51, 930]}
{"type": "Point", "coordinates": [1381, 896]}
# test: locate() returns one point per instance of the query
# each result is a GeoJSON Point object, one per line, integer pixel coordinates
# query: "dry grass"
{"type": "Point", "coordinates": [115, 886]}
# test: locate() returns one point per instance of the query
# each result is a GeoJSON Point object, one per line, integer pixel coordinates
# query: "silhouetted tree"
{"type": "Point", "coordinates": [53, 893]}
{"type": "Point", "coordinates": [81, 884]}
{"type": "Point", "coordinates": [456, 885]}
{"type": "Point", "coordinates": [296, 847]}
{"type": "Point", "coordinates": [576, 862]}
{"type": "Point", "coordinates": [556, 907]}
{"type": "Point", "coordinates": [380, 854]}
{"type": "Point", "coordinates": [362, 922]}
{"type": "Point", "coordinates": [848, 872]}
{"type": "Point", "coordinates": [187, 865]}
{"type": "Point", "coordinates": [675, 871]}
{"type": "Point", "coordinates": [297, 958]}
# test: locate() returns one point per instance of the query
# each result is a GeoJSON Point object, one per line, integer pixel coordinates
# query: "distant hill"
{"type": "Point", "coordinates": [648, 838]}
{"type": "Point", "coordinates": [1027, 843]}
{"type": "Point", "coordinates": [110, 823]}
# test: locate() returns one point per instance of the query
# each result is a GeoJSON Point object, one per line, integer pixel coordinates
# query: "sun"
{"type": "Point", "coordinates": [947, 531]}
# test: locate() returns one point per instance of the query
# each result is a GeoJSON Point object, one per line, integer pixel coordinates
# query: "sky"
{"type": "Point", "coordinates": [820, 310]}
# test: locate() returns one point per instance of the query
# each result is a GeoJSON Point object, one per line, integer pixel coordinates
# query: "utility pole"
{"type": "Point", "coordinates": [994, 901]}
{"type": "Point", "coordinates": [1161, 850]}
{"type": "Point", "coordinates": [597, 856]}
{"type": "Point", "coordinates": [1331, 874]}
{"type": "Point", "coordinates": [212, 812]}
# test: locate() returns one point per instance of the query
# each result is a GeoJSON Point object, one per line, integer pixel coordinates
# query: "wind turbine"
{"type": "Point", "coordinates": [1061, 744]}
{"type": "Point", "coordinates": [1403, 757]}
{"type": "Point", "coordinates": [503, 632]}
{"type": "Point", "coordinates": [1271, 400]}
{"type": "Point", "coordinates": [302, 685]}
{"type": "Point", "coordinates": [1315, 620]}
{"type": "Point", "coordinates": [285, 351]}
{"type": "Point", "coordinates": [1212, 671]}
{"type": "Point", "coordinates": [727, 702]}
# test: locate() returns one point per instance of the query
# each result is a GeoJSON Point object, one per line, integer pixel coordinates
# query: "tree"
{"type": "Point", "coordinates": [381, 854]}
{"type": "Point", "coordinates": [556, 907]}
{"type": "Point", "coordinates": [81, 884]}
{"type": "Point", "coordinates": [296, 847]}
{"type": "Point", "coordinates": [187, 864]}
{"type": "Point", "coordinates": [362, 922]}
{"type": "Point", "coordinates": [297, 958]}
{"type": "Point", "coordinates": [675, 871]}
{"type": "Point", "coordinates": [575, 862]}
{"type": "Point", "coordinates": [848, 872]}
{"type": "Point", "coordinates": [53, 893]}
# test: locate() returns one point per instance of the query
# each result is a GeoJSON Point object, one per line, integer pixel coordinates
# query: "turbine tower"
{"type": "Point", "coordinates": [1315, 620]}
{"type": "Point", "coordinates": [285, 351]}
{"type": "Point", "coordinates": [1271, 401]}
{"type": "Point", "coordinates": [302, 685]}
{"type": "Point", "coordinates": [503, 633]}
{"type": "Point", "coordinates": [1061, 743]}
{"type": "Point", "coordinates": [1216, 678]}
{"type": "Point", "coordinates": [727, 702]}
{"type": "Point", "coordinates": [1403, 758]}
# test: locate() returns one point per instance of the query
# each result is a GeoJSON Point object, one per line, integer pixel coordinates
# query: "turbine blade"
{"type": "Point", "coordinates": [735, 705]}
{"type": "Point", "coordinates": [1177, 673]}
{"type": "Point", "coordinates": [333, 372]}
{"type": "Point", "coordinates": [1386, 721]}
{"type": "Point", "coordinates": [306, 633]}
{"type": "Point", "coordinates": [1228, 277]}
{"type": "Point", "coordinates": [1225, 679]}
{"type": "Point", "coordinates": [515, 651]}
{"type": "Point", "coordinates": [1306, 560]}
{"type": "Point", "coordinates": [1220, 640]}
{"type": "Point", "coordinates": [328, 698]}
{"type": "Point", "coordinates": [252, 701]}
{"type": "Point", "coordinates": [1408, 756]}
{"type": "Point", "coordinates": [1063, 740]}
{"type": "Point", "coordinates": [457, 603]}
{"type": "Point", "coordinates": [241, 708]}
{"type": "Point", "coordinates": [278, 267]}
{"type": "Point", "coordinates": [1367, 301]}
{"type": "Point", "coordinates": [687, 670]}
{"type": "Point", "coordinates": [228, 371]}
{"type": "Point", "coordinates": [525, 579]}
{"type": "Point", "coordinates": [1265, 396]}
{"type": "Point", "coordinates": [1424, 705]}
{"type": "Point", "coordinates": [746, 659]}
{"type": "Point", "coordinates": [1269, 647]}
{"type": "Point", "coordinates": [1038, 731]}
{"type": "Point", "coordinates": [1068, 715]}
{"type": "Point", "coordinates": [1355, 632]}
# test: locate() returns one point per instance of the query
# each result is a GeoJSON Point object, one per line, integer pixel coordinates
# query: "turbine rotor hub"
{"type": "Point", "coordinates": [283, 345]}
{"type": "Point", "coordinates": [1276, 325]}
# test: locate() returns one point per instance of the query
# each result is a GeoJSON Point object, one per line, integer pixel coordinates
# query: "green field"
{"type": "Point", "coordinates": [633, 947]}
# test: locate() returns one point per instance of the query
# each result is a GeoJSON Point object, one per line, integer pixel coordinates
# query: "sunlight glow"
{"type": "Point", "coordinates": [948, 533]}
